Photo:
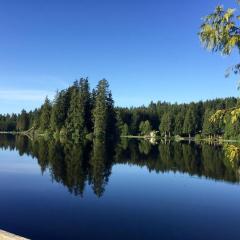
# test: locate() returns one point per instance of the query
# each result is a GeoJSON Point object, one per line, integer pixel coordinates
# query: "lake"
{"type": "Point", "coordinates": [130, 190]}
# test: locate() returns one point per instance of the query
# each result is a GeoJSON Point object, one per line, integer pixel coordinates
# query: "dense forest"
{"type": "Point", "coordinates": [79, 113]}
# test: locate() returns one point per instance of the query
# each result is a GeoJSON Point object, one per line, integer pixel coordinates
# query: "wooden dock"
{"type": "Point", "coordinates": [9, 236]}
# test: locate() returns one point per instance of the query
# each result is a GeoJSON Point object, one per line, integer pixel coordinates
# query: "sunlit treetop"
{"type": "Point", "coordinates": [220, 32]}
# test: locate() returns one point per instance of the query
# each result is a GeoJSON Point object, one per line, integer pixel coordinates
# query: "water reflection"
{"type": "Point", "coordinates": [78, 165]}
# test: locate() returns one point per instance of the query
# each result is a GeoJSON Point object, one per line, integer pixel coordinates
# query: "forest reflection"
{"type": "Point", "coordinates": [78, 165]}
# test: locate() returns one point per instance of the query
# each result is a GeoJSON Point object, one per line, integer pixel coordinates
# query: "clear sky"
{"type": "Point", "coordinates": [147, 50]}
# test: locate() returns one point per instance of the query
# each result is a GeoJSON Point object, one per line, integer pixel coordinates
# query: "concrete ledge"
{"type": "Point", "coordinates": [9, 236]}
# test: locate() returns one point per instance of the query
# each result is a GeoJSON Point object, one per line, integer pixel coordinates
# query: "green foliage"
{"type": "Point", "coordinates": [210, 128]}
{"type": "Point", "coordinates": [190, 125]}
{"type": "Point", "coordinates": [75, 165]}
{"type": "Point", "coordinates": [45, 115]}
{"type": "Point", "coordinates": [100, 110]}
{"type": "Point", "coordinates": [22, 121]}
{"type": "Point", "coordinates": [59, 110]}
{"type": "Point", "coordinates": [197, 137]}
{"type": "Point", "coordinates": [179, 121]}
{"type": "Point", "coordinates": [124, 130]}
{"type": "Point", "coordinates": [145, 128]}
{"type": "Point", "coordinates": [232, 153]}
{"type": "Point", "coordinates": [104, 116]}
{"type": "Point", "coordinates": [166, 125]}
{"type": "Point", "coordinates": [144, 147]}
{"type": "Point", "coordinates": [76, 114]}
{"type": "Point", "coordinates": [79, 113]}
{"type": "Point", "coordinates": [219, 31]}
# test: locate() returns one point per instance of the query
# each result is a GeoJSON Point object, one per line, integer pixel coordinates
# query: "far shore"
{"type": "Point", "coordinates": [172, 138]}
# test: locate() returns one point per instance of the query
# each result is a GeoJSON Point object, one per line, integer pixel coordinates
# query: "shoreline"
{"type": "Point", "coordinates": [193, 139]}
{"type": "Point", "coordinates": [173, 138]}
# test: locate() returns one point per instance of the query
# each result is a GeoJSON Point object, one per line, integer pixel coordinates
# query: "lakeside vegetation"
{"type": "Point", "coordinates": [77, 113]}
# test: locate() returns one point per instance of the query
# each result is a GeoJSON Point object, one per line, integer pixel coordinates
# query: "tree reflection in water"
{"type": "Point", "coordinates": [75, 165]}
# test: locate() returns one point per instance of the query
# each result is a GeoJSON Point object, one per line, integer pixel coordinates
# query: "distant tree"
{"type": "Point", "coordinates": [190, 122]}
{"type": "Point", "coordinates": [59, 110]}
{"type": "Point", "coordinates": [209, 128]}
{"type": "Point", "coordinates": [45, 115]}
{"type": "Point", "coordinates": [79, 115]}
{"type": "Point", "coordinates": [111, 118]}
{"type": "Point", "coordinates": [125, 130]}
{"type": "Point", "coordinates": [166, 125]}
{"type": "Point", "coordinates": [100, 110]}
{"type": "Point", "coordinates": [179, 121]}
{"type": "Point", "coordinates": [145, 128]}
{"type": "Point", "coordinates": [135, 121]}
{"type": "Point", "coordinates": [103, 112]}
{"type": "Point", "coordinates": [86, 104]}
{"type": "Point", "coordinates": [74, 121]}
{"type": "Point", "coordinates": [23, 121]}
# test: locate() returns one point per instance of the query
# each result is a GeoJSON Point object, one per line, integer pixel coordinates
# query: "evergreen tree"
{"type": "Point", "coordinates": [79, 115]}
{"type": "Point", "coordinates": [100, 110]}
{"type": "Point", "coordinates": [59, 110]}
{"type": "Point", "coordinates": [45, 115]}
{"type": "Point", "coordinates": [85, 105]}
{"type": "Point", "coordinates": [74, 119]}
{"type": "Point", "coordinates": [111, 118]}
{"type": "Point", "coordinates": [179, 120]}
{"type": "Point", "coordinates": [145, 128]}
{"type": "Point", "coordinates": [190, 121]}
{"type": "Point", "coordinates": [23, 121]}
{"type": "Point", "coordinates": [103, 112]}
{"type": "Point", "coordinates": [125, 130]}
{"type": "Point", "coordinates": [209, 128]}
{"type": "Point", "coordinates": [166, 125]}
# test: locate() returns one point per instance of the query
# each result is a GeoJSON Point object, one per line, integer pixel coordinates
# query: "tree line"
{"type": "Point", "coordinates": [186, 120]}
{"type": "Point", "coordinates": [79, 112]}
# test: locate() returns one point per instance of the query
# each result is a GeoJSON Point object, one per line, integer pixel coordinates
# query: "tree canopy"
{"type": "Point", "coordinates": [220, 32]}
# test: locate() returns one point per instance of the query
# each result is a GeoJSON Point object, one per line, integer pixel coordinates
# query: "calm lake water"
{"type": "Point", "coordinates": [133, 190]}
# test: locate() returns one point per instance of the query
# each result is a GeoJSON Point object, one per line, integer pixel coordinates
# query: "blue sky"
{"type": "Point", "coordinates": [147, 49]}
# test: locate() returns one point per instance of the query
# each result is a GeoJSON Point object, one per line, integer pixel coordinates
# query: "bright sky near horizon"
{"type": "Point", "coordinates": [146, 49]}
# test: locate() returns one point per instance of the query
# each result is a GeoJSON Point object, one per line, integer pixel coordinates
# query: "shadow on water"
{"type": "Point", "coordinates": [76, 165]}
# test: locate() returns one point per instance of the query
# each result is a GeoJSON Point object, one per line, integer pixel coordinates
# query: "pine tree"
{"type": "Point", "coordinates": [22, 121]}
{"type": "Point", "coordinates": [166, 125]}
{"type": "Point", "coordinates": [74, 119]}
{"type": "Point", "coordinates": [85, 105]}
{"type": "Point", "coordinates": [59, 110]}
{"type": "Point", "coordinates": [79, 116]}
{"type": "Point", "coordinates": [145, 128]}
{"type": "Point", "coordinates": [179, 120]}
{"type": "Point", "coordinates": [111, 118]}
{"type": "Point", "coordinates": [45, 115]}
{"type": "Point", "coordinates": [208, 128]}
{"type": "Point", "coordinates": [103, 113]}
{"type": "Point", "coordinates": [124, 130]}
{"type": "Point", "coordinates": [190, 121]}
{"type": "Point", "coordinates": [100, 110]}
